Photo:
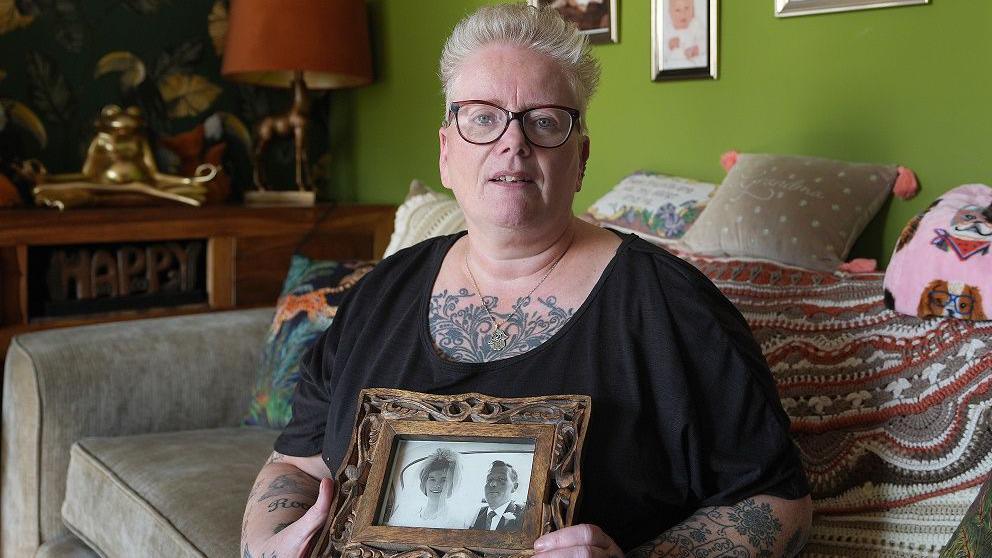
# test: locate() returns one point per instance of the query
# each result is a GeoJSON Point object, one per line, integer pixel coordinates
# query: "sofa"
{"type": "Point", "coordinates": [125, 439]}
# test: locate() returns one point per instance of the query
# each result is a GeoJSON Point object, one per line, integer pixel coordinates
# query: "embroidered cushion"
{"type": "Point", "coordinates": [306, 307]}
{"type": "Point", "coordinates": [656, 207]}
{"type": "Point", "coordinates": [802, 211]}
{"type": "Point", "coordinates": [941, 265]}
{"type": "Point", "coordinates": [424, 214]}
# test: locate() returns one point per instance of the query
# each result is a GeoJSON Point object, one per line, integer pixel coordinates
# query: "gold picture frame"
{"type": "Point", "coordinates": [790, 8]}
{"type": "Point", "coordinates": [685, 49]}
{"type": "Point", "coordinates": [589, 23]}
{"type": "Point", "coordinates": [532, 442]}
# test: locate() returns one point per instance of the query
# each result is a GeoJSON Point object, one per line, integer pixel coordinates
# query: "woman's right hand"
{"type": "Point", "coordinates": [294, 540]}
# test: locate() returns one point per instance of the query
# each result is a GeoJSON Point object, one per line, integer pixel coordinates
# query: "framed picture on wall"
{"type": "Point", "coordinates": [788, 8]}
{"type": "Point", "coordinates": [598, 19]}
{"type": "Point", "coordinates": [684, 39]}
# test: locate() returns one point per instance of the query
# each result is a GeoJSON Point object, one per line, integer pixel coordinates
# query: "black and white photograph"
{"type": "Point", "coordinates": [441, 484]}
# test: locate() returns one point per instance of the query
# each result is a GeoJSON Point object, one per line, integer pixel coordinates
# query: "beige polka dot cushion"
{"type": "Point", "coordinates": [801, 211]}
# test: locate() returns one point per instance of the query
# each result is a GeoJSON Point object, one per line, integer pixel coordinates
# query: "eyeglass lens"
{"type": "Point", "coordinates": [542, 126]}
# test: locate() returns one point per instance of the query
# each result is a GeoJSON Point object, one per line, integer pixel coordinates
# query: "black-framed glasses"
{"type": "Point", "coordinates": [481, 122]}
{"type": "Point", "coordinates": [961, 304]}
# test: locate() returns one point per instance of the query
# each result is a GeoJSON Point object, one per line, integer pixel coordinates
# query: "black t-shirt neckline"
{"type": "Point", "coordinates": [475, 367]}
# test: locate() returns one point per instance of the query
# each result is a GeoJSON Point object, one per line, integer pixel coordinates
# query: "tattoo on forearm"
{"type": "Point", "coordinates": [248, 554]}
{"type": "Point", "coordinates": [717, 532]}
{"type": "Point", "coordinates": [291, 483]}
{"type": "Point", "coordinates": [287, 504]}
{"type": "Point", "coordinates": [280, 527]}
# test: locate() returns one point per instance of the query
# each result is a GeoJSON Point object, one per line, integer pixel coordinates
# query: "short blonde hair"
{"type": "Point", "coordinates": [540, 29]}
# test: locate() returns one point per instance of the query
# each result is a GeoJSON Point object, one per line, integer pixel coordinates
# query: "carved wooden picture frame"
{"type": "Point", "coordinates": [409, 451]}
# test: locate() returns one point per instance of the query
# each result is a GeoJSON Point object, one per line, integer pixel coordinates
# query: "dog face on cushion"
{"type": "Point", "coordinates": [952, 299]}
{"type": "Point", "coordinates": [972, 222]}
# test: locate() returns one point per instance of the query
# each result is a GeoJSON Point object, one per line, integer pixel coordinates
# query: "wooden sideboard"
{"type": "Point", "coordinates": [247, 252]}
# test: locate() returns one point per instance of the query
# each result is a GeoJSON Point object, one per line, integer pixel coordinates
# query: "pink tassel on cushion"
{"type": "Point", "coordinates": [906, 185]}
{"type": "Point", "coordinates": [859, 265]}
{"type": "Point", "coordinates": [728, 160]}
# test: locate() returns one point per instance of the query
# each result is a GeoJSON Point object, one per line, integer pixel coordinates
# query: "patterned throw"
{"type": "Point", "coordinates": [306, 307]}
{"type": "Point", "coordinates": [891, 413]}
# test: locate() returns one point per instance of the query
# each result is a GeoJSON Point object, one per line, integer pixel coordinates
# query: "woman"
{"type": "Point", "coordinates": [687, 445]}
{"type": "Point", "coordinates": [439, 476]}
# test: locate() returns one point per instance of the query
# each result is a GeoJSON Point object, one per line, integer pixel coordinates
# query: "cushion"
{"type": "Point", "coordinates": [309, 300]}
{"type": "Point", "coordinates": [656, 207]}
{"type": "Point", "coordinates": [424, 214]}
{"type": "Point", "coordinates": [796, 210]}
{"type": "Point", "coordinates": [891, 413]}
{"type": "Point", "coordinates": [172, 494]}
{"type": "Point", "coordinates": [941, 265]}
{"type": "Point", "coordinates": [973, 536]}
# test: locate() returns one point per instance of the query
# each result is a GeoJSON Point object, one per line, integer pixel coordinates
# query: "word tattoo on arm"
{"type": "Point", "coordinates": [287, 504]}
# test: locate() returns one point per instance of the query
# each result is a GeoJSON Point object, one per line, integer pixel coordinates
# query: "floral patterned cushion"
{"type": "Point", "coordinates": [656, 207]}
{"type": "Point", "coordinates": [306, 307]}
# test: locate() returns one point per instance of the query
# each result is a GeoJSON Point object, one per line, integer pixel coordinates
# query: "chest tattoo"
{"type": "Point", "coordinates": [461, 328]}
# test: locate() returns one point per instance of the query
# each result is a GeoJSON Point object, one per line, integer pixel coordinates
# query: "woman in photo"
{"type": "Point", "coordinates": [439, 476]}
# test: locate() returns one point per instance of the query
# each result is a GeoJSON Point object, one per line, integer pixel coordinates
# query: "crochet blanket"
{"type": "Point", "coordinates": [891, 413]}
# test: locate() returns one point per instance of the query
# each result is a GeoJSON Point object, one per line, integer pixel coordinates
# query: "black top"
{"type": "Point", "coordinates": [684, 410]}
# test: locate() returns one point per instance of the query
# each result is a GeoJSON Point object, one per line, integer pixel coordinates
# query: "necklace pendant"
{"type": "Point", "coordinates": [497, 340]}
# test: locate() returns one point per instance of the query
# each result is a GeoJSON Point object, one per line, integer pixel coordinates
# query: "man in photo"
{"type": "Point", "coordinates": [500, 513]}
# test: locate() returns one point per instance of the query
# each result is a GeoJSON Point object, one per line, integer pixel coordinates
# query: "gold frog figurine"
{"type": "Point", "coordinates": [120, 169]}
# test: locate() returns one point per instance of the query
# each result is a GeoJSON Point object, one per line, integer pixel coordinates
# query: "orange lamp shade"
{"type": "Point", "coordinates": [269, 40]}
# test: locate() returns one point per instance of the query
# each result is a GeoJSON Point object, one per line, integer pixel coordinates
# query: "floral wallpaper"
{"type": "Point", "coordinates": [61, 61]}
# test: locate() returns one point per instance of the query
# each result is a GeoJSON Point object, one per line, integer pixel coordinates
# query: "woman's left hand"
{"type": "Point", "coordinates": [577, 541]}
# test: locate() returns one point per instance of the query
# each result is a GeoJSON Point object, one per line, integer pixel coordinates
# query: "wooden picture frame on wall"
{"type": "Point", "coordinates": [790, 8]}
{"type": "Point", "coordinates": [684, 39]}
{"type": "Point", "coordinates": [423, 472]}
{"type": "Point", "coordinates": [598, 19]}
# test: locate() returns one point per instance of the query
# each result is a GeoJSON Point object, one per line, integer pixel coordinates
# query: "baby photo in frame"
{"type": "Point", "coordinates": [684, 39]}
{"type": "Point", "coordinates": [458, 475]}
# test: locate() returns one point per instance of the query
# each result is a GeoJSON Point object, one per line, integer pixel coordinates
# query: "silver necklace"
{"type": "Point", "coordinates": [497, 339]}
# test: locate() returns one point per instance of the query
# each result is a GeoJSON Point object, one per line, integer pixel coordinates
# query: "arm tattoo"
{"type": "Point", "coordinates": [287, 504]}
{"type": "Point", "coordinates": [460, 327]}
{"type": "Point", "coordinates": [292, 483]}
{"type": "Point", "coordinates": [248, 554]}
{"type": "Point", "coordinates": [746, 530]}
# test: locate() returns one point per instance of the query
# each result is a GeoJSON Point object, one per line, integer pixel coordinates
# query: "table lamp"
{"type": "Point", "coordinates": [302, 44]}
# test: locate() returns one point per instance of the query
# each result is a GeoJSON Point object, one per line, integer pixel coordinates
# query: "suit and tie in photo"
{"type": "Point", "coordinates": [500, 512]}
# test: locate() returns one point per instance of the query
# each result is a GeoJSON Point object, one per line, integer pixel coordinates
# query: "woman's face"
{"type": "Point", "coordinates": [510, 183]}
{"type": "Point", "coordinates": [437, 481]}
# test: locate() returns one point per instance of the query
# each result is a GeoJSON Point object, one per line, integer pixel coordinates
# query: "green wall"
{"type": "Point", "coordinates": [898, 85]}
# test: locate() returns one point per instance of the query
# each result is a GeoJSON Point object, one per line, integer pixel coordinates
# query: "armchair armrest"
{"type": "Point", "coordinates": [122, 378]}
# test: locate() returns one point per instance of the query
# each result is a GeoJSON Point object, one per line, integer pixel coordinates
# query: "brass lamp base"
{"type": "Point", "coordinates": [284, 198]}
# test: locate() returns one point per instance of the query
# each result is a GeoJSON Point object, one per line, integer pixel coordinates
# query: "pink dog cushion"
{"type": "Point", "coordinates": [942, 265]}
